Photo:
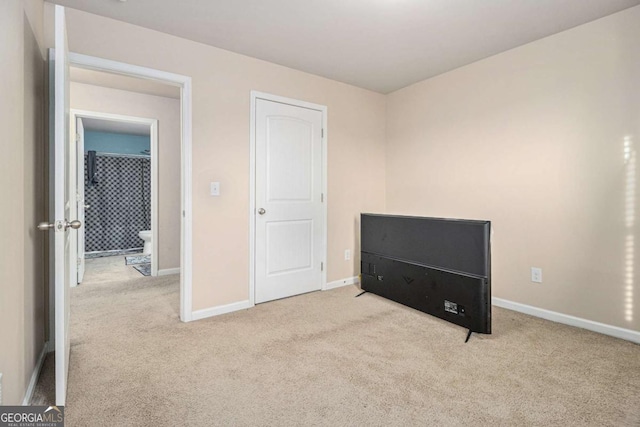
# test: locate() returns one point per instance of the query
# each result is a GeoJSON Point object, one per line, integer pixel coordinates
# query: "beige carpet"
{"type": "Point", "coordinates": [327, 358]}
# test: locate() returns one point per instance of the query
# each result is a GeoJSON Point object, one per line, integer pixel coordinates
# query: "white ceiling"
{"type": "Point", "coordinates": [382, 45]}
{"type": "Point", "coordinates": [131, 84]}
{"type": "Point", "coordinates": [112, 126]}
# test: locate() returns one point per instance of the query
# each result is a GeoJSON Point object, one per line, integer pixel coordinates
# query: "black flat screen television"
{"type": "Point", "coordinates": [436, 265]}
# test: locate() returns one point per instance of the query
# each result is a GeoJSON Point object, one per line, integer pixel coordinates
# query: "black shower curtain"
{"type": "Point", "coordinates": [120, 203]}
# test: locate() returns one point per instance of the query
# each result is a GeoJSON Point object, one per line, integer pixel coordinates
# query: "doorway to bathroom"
{"type": "Point", "coordinates": [117, 193]}
{"type": "Point", "coordinates": [128, 172]}
{"type": "Point", "coordinates": [127, 81]}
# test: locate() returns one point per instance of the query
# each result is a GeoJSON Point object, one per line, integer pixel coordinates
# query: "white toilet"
{"type": "Point", "coordinates": [146, 236]}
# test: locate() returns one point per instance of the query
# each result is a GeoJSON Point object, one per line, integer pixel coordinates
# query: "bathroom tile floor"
{"type": "Point", "coordinates": [108, 269]}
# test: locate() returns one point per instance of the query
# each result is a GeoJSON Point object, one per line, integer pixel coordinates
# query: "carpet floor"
{"type": "Point", "coordinates": [327, 358]}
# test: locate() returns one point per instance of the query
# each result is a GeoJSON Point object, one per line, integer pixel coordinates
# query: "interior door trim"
{"type": "Point", "coordinates": [255, 96]}
{"type": "Point", "coordinates": [186, 118]}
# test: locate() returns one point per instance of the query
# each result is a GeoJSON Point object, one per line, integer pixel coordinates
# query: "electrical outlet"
{"type": "Point", "coordinates": [347, 254]}
{"type": "Point", "coordinates": [536, 274]}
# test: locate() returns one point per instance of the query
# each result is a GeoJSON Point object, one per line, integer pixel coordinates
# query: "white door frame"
{"type": "Point", "coordinates": [255, 96]}
{"type": "Point", "coordinates": [153, 126]}
{"type": "Point", "coordinates": [186, 235]}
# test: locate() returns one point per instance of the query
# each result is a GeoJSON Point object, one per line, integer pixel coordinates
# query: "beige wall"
{"type": "Point", "coordinates": [222, 82]}
{"type": "Point", "coordinates": [167, 112]}
{"type": "Point", "coordinates": [533, 140]}
{"type": "Point", "coordinates": [22, 265]}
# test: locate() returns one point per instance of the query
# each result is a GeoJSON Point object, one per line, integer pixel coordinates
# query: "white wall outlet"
{"type": "Point", "coordinates": [347, 254]}
{"type": "Point", "coordinates": [536, 274]}
{"type": "Point", "coordinates": [215, 188]}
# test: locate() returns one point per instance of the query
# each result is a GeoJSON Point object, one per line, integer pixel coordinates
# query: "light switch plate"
{"type": "Point", "coordinates": [215, 188]}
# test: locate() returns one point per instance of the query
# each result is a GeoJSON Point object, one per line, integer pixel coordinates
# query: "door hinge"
{"type": "Point", "coordinates": [322, 133]}
{"type": "Point", "coordinates": [322, 266]}
{"type": "Point", "coordinates": [183, 214]}
{"type": "Point", "coordinates": [321, 197]}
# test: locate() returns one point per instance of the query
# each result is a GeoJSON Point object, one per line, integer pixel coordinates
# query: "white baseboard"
{"type": "Point", "coordinates": [169, 271]}
{"type": "Point", "coordinates": [602, 328]}
{"type": "Point", "coordinates": [342, 282]}
{"type": "Point", "coordinates": [221, 309]}
{"type": "Point", "coordinates": [243, 305]}
{"type": "Point", "coordinates": [34, 376]}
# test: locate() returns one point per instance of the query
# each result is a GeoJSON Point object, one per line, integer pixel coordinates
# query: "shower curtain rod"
{"type": "Point", "coordinates": [141, 156]}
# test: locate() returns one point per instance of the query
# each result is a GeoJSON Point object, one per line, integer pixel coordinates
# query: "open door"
{"type": "Point", "coordinates": [62, 272]}
{"type": "Point", "coordinates": [62, 207]}
{"type": "Point", "coordinates": [80, 203]}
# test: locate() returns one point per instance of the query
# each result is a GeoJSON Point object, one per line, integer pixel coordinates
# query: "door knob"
{"type": "Point", "coordinates": [75, 224]}
{"type": "Point", "coordinates": [261, 211]}
{"type": "Point", "coordinates": [44, 226]}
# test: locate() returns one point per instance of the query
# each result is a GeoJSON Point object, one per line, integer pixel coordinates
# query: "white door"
{"type": "Point", "coordinates": [63, 270]}
{"type": "Point", "coordinates": [80, 203]}
{"type": "Point", "coordinates": [289, 212]}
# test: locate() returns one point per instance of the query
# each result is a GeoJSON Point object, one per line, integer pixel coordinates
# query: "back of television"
{"type": "Point", "coordinates": [438, 266]}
